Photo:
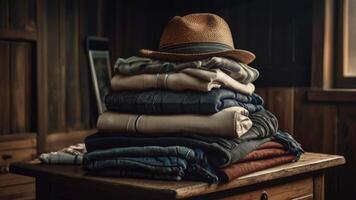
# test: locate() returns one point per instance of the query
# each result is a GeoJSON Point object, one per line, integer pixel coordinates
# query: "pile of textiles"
{"type": "Point", "coordinates": [198, 120]}
{"type": "Point", "coordinates": [186, 112]}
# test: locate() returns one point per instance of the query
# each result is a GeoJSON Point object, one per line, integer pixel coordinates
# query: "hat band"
{"type": "Point", "coordinates": [196, 48]}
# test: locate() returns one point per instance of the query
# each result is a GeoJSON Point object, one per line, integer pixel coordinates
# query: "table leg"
{"type": "Point", "coordinates": [43, 188]}
{"type": "Point", "coordinates": [319, 186]}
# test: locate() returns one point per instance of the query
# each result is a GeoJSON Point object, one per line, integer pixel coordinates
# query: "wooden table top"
{"type": "Point", "coordinates": [309, 162]}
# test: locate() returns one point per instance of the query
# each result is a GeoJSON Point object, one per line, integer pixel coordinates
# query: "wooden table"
{"type": "Point", "coordinates": [301, 180]}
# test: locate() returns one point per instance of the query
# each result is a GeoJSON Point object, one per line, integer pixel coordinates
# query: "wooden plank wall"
{"type": "Point", "coordinates": [63, 85]}
{"type": "Point", "coordinates": [18, 94]}
{"type": "Point", "coordinates": [69, 108]}
{"type": "Point", "coordinates": [45, 82]}
{"type": "Point", "coordinates": [17, 65]}
{"type": "Point", "coordinates": [68, 82]}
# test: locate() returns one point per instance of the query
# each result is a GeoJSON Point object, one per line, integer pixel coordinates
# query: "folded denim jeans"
{"type": "Point", "coordinates": [140, 65]}
{"type": "Point", "coordinates": [176, 162]}
{"type": "Point", "coordinates": [230, 122]}
{"type": "Point", "coordinates": [131, 173]}
{"type": "Point", "coordinates": [220, 152]}
{"type": "Point", "coordinates": [187, 79]}
{"type": "Point", "coordinates": [158, 102]}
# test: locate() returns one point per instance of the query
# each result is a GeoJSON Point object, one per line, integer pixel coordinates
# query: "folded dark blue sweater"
{"type": "Point", "coordinates": [173, 102]}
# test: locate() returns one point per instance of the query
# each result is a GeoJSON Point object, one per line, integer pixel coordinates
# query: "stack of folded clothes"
{"type": "Point", "coordinates": [187, 111]}
{"type": "Point", "coordinates": [196, 120]}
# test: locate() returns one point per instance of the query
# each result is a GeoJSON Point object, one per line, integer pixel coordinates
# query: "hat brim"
{"type": "Point", "coordinates": [236, 54]}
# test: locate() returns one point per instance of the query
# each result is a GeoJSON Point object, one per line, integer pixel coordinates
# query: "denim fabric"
{"type": "Point", "coordinates": [220, 151]}
{"type": "Point", "coordinates": [169, 162]}
{"type": "Point", "coordinates": [131, 173]}
{"type": "Point", "coordinates": [177, 162]}
{"type": "Point", "coordinates": [174, 102]}
{"type": "Point", "coordinates": [290, 143]}
{"type": "Point", "coordinates": [264, 125]}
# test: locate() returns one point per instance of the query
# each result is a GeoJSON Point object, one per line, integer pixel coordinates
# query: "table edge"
{"type": "Point", "coordinates": [204, 188]}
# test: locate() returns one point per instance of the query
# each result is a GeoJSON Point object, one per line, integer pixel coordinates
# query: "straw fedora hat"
{"type": "Point", "coordinates": [197, 36]}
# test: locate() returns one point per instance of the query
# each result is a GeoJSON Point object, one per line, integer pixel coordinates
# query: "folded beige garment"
{"type": "Point", "coordinates": [230, 122]}
{"type": "Point", "coordinates": [187, 79]}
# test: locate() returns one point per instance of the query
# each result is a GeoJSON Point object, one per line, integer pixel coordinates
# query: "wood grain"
{"type": "Point", "coordinates": [56, 141]}
{"type": "Point", "coordinates": [62, 84]}
{"type": "Point", "coordinates": [308, 163]}
{"type": "Point", "coordinates": [27, 143]}
{"type": "Point", "coordinates": [10, 179]}
{"type": "Point", "coordinates": [5, 114]}
{"type": "Point", "coordinates": [315, 124]}
{"type": "Point", "coordinates": [4, 14]}
{"type": "Point", "coordinates": [64, 87]}
{"type": "Point", "coordinates": [55, 103]}
{"type": "Point", "coordinates": [21, 87]}
{"type": "Point", "coordinates": [16, 151]}
{"type": "Point", "coordinates": [332, 95]}
{"type": "Point", "coordinates": [347, 147]}
{"type": "Point", "coordinates": [18, 35]}
{"type": "Point", "coordinates": [280, 101]}
{"type": "Point", "coordinates": [73, 98]}
{"type": "Point", "coordinates": [23, 192]}
{"type": "Point", "coordinates": [88, 26]}
{"type": "Point", "coordinates": [322, 51]}
{"type": "Point", "coordinates": [259, 33]}
{"type": "Point", "coordinates": [22, 14]}
{"type": "Point", "coordinates": [292, 190]}
{"type": "Point", "coordinates": [319, 187]}
{"type": "Point", "coordinates": [42, 76]}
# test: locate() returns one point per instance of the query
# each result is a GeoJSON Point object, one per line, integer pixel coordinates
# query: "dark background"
{"type": "Point", "coordinates": [47, 101]}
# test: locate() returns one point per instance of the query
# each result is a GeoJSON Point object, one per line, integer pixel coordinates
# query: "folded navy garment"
{"type": "Point", "coordinates": [175, 102]}
{"type": "Point", "coordinates": [220, 151]}
{"type": "Point", "coordinates": [171, 162]}
{"type": "Point", "coordinates": [163, 161]}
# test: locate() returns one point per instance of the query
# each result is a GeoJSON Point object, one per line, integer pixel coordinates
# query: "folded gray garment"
{"type": "Point", "coordinates": [187, 79]}
{"type": "Point", "coordinates": [69, 155]}
{"type": "Point", "coordinates": [61, 158]}
{"type": "Point", "coordinates": [140, 65]}
{"type": "Point", "coordinates": [230, 122]}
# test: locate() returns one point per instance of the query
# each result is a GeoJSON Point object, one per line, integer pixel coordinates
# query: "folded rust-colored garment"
{"type": "Point", "coordinates": [270, 145]}
{"type": "Point", "coordinates": [187, 79]}
{"type": "Point", "coordinates": [230, 122]}
{"type": "Point", "coordinates": [268, 155]}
